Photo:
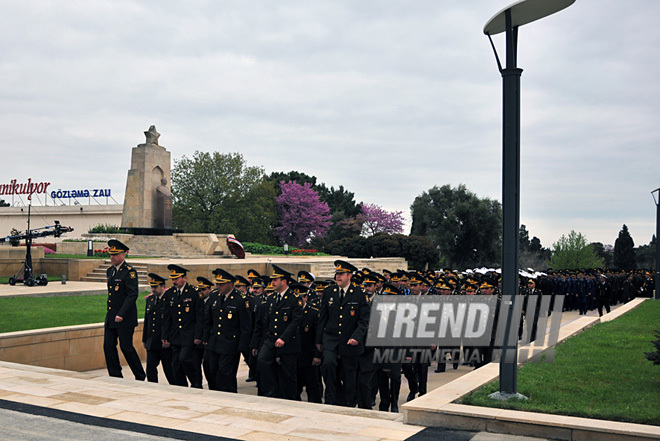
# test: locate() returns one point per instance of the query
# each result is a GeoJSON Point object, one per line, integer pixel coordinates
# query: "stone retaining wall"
{"type": "Point", "coordinates": [74, 348]}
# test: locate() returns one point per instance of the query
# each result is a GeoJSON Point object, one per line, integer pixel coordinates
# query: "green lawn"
{"type": "Point", "coordinates": [23, 313]}
{"type": "Point", "coordinates": [600, 373]}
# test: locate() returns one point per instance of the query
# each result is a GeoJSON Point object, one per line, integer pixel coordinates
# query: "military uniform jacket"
{"type": "Point", "coordinates": [308, 328]}
{"type": "Point", "coordinates": [122, 295]}
{"type": "Point", "coordinates": [280, 321]}
{"type": "Point", "coordinates": [341, 321]}
{"type": "Point", "coordinates": [153, 322]}
{"type": "Point", "coordinates": [228, 323]}
{"type": "Point", "coordinates": [259, 313]}
{"type": "Point", "coordinates": [183, 320]}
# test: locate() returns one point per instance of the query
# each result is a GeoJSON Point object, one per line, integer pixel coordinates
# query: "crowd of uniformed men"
{"type": "Point", "coordinates": [298, 333]}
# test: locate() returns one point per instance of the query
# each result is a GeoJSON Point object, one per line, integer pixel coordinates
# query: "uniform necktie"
{"type": "Point", "coordinates": [279, 298]}
{"type": "Point", "coordinates": [341, 295]}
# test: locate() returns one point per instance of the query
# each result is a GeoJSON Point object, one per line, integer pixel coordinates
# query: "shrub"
{"type": "Point", "coordinates": [106, 228]}
{"type": "Point", "coordinates": [258, 248]}
{"type": "Point", "coordinates": [14, 242]}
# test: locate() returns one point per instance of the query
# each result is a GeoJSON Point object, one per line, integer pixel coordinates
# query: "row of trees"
{"type": "Point", "coordinates": [451, 227]}
{"type": "Point", "coordinates": [219, 192]}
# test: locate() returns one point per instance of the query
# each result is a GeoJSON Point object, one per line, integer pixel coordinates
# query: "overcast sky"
{"type": "Point", "coordinates": [387, 98]}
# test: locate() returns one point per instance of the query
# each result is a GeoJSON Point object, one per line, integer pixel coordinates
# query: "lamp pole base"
{"type": "Point", "coordinates": [505, 397]}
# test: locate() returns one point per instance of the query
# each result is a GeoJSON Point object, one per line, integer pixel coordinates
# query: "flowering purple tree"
{"type": "Point", "coordinates": [377, 220]}
{"type": "Point", "coordinates": [301, 214]}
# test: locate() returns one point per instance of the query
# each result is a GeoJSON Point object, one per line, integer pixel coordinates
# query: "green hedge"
{"type": "Point", "coordinates": [258, 248]}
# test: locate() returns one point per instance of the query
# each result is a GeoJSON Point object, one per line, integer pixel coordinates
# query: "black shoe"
{"type": "Point", "coordinates": [395, 409]}
{"type": "Point", "coordinates": [455, 366]}
{"type": "Point", "coordinates": [411, 396]}
{"type": "Point", "coordinates": [249, 379]}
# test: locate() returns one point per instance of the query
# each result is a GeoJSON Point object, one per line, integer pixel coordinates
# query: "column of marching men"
{"type": "Point", "coordinates": [302, 334]}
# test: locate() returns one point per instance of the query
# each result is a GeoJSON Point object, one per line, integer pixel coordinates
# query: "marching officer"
{"type": "Point", "coordinates": [309, 359]}
{"type": "Point", "coordinates": [343, 323]}
{"type": "Point", "coordinates": [204, 287]}
{"type": "Point", "coordinates": [183, 327]}
{"type": "Point", "coordinates": [151, 332]}
{"type": "Point", "coordinates": [121, 315]}
{"type": "Point", "coordinates": [227, 330]}
{"type": "Point", "coordinates": [389, 374]}
{"type": "Point", "coordinates": [278, 355]}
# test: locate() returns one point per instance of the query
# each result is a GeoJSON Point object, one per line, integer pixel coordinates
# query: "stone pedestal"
{"type": "Point", "coordinates": [150, 163]}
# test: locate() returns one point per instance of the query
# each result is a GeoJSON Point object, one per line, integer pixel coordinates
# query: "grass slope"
{"type": "Point", "coordinates": [23, 313]}
{"type": "Point", "coordinates": [600, 373]}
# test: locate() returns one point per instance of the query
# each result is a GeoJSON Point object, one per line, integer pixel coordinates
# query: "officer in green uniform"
{"type": "Point", "coordinates": [278, 355]}
{"type": "Point", "coordinates": [309, 359]}
{"type": "Point", "coordinates": [204, 287]}
{"type": "Point", "coordinates": [183, 326]}
{"type": "Point", "coordinates": [227, 330]}
{"type": "Point", "coordinates": [121, 314]}
{"type": "Point", "coordinates": [343, 323]}
{"type": "Point", "coordinates": [151, 331]}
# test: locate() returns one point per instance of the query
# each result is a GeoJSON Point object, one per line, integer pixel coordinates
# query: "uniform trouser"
{"type": "Point", "coordinates": [125, 336]}
{"type": "Point", "coordinates": [277, 373]}
{"type": "Point", "coordinates": [582, 304]}
{"type": "Point", "coordinates": [389, 385]}
{"type": "Point", "coordinates": [601, 303]}
{"type": "Point", "coordinates": [224, 368]}
{"type": "Point", "coordinates": [417, 375]}
{"type": "Point", "coordinates": [308, 378]}
{"type": "Point", "coordinates": [154, 358]}
{"type": "Point", "coordinates": [199, 359]}
{"type": "Point", "coordinates": [184, 366]}
{"type": "Point", "coordinates": [206, 368]}
{"type": "Point", "coordinates": [364, 389]}
{"type": "Point", "coordinates": [373, 384]}
{"type": "Point", "coordinates": [347, 366]}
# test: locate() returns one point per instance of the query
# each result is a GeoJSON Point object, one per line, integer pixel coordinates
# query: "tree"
{"type": "Point", "coordinates": [645, 255]}
{"type": "Point", "coordinates": [604, 252]}
{"type": "Point", "coordinates": [343, 208]}
{"type": "Point", "coordinates": [376, 220]}
{"type": "Point", "coordinates": [3, 203]}
{"type": "Point", "coordinates": [218, 193]}
{"type": "Point", "coordinates": [301, 214]}
{"type": "Point", "coordinates": [532, 253]}
{"type": "Point", "coordinates": [523, 238]}
{"type": "Point", "coordinates": [624, 251]}
{"type": "Point", "coordinates": [574, 252]}
{"type": "Point", "coordinates": [466, 229]}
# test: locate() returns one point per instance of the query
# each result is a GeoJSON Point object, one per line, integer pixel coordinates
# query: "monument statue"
{"type": "Point", "coordinates": [146, 188]}
{"type": "Point", "coordinates": [152, 135]}
{"type": "Point", "coordinates": [163, 211]}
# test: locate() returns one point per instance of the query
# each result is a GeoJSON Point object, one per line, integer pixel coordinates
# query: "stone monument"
{"type": "Point", "coordinates": [148, 201]}
{"type": "Point", "coordinates": [163, 211]}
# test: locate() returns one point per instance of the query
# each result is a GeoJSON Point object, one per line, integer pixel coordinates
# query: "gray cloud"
{"type": "Point", "coordinates": [386, 98]}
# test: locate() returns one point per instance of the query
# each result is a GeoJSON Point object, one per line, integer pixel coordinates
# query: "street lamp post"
{"type": "Point", "coordinates": [657, 246]}
{"type": "Point", "coordinates": [509, 20]}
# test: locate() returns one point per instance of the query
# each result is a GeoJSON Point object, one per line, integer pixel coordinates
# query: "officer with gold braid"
{"type": "Point", "coordinates": [278, 354]}
{"type": "Point", "coordinates": [227, 330]}
{"type": "Point", "coordinates": [342, 329]}
{"type": "Point", "coordinates": [183, 326]}
{"type": "Point", "coordinates": [151, 331]}
{"type": "Point", "coordinates": [121, 313]}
